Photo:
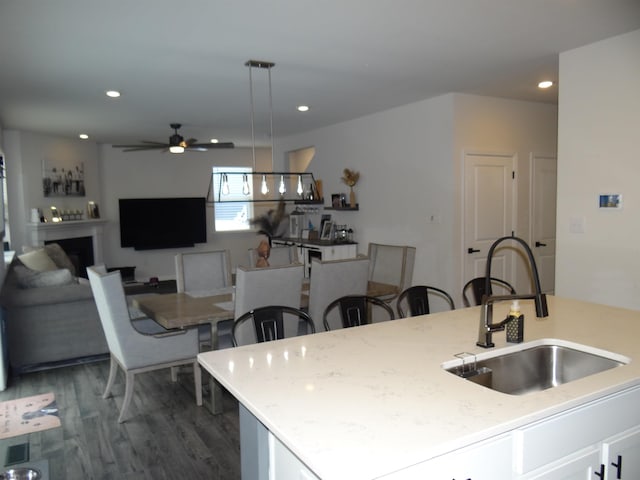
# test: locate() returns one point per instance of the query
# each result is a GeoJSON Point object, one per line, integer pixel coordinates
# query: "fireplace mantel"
{"type": "Point", "coordinates": [39, 233]}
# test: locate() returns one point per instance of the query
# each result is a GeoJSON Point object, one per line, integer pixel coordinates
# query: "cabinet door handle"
{"type": "Point", "coordinates": [540, 244]}
{"type": "Point", "coordinates": [600, 474]}
{"type": "Point", "coordinates": [472, 250]}
{"type": "Point", "coordinates": [618, 467]}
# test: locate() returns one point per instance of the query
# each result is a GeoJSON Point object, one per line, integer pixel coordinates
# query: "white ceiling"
{"type": "Point", "coordinates": [183, 61]}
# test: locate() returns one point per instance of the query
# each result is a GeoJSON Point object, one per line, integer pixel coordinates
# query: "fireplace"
{"type": "Point", "coordinates": [80, 239]}
{"type": "Point", "coordinates": [80, 252]}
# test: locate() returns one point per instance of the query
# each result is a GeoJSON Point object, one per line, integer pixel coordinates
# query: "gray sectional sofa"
{"type": "Point", "coordinates": [48, 322]}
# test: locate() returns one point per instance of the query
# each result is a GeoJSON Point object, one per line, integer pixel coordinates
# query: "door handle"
{"type": "Point", "coordinates": [472, 250]}
{"type": "Point", "coordinates": [540, 244]}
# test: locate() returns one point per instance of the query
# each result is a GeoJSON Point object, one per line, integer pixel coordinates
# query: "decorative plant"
{"type": "Point", "coordinates": [272, 224]}
{"type": "Point", "coordinates": [350, 177]}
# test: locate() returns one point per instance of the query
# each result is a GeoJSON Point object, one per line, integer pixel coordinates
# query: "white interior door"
{"type": "Point", "coordinates": [543, 218]}
{"type": "Point", "coordinates": [488, 213]}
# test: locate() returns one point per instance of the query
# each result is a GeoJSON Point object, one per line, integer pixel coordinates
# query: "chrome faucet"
{"type": "Point", "coordinates": [486, 328]}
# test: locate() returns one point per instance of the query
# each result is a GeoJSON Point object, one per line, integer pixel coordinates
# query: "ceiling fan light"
{"type": "Point", "coordinates": [176, 149]}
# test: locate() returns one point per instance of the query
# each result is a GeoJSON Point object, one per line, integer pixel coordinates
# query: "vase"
{"type": "Point", "coordinates": [352, 198]}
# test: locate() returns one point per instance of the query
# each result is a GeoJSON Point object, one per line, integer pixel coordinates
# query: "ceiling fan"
{"type": "Point", "coordinates": [177, 144]}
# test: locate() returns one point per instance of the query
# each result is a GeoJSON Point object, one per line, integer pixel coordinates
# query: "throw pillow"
{"type": "Point", "coordinates": [38, 260]}
{"type": "Point", "coordinates": [28, 278]}
{"type": "Point", "coordinates": [56, 253]}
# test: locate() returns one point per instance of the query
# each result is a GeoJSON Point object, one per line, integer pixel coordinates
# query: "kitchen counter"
{"type": "Point", "coordinates": [365, 402]}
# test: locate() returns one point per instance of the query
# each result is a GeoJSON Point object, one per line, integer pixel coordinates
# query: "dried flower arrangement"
{"type": "Point", "coordinates": [350, 177]}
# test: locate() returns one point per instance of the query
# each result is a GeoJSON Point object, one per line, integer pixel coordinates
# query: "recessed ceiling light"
{"type": "Point", "coordinates": [83, 136]}
{"type": "Point", "coordinates": [303, 108]}
{"type": "Point", "coordinates": [545, 84]}
{"type": "Point", "coordinates": [113, 93]}
{"type": "Point", "coordinates": [214, 140]}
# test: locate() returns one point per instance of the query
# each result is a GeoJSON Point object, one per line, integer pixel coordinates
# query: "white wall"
{"type": "Point", "coordinates": [25, 153]}
{"type": "Point", "coordinates": [486, 124]}
{"type": "Point", "coordinates": [111, 174]}
{"type": "Point", "coordinates": [157, 174]}
{"type": "Point", "coordinates": [410, 161]}
{"type": "Point", "coordinates": [406, 174]}
{"type": "Point", "coordinates": [599, 124]}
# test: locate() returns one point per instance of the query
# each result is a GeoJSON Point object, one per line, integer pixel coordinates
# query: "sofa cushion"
{"type": "Point", "coordinates": [28, 278]}
{"type": "Point", "coordinates": [38, 260]}
{"type": "Point", "coordinates": [56, 253]}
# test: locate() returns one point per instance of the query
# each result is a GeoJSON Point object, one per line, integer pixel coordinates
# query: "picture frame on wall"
{"type": "Point", "coordinates": [327, 228]}
{"type": "Point", "coordinates": [62, 178]}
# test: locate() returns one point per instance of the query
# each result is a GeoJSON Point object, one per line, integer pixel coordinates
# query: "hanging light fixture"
{"type": "Point", "coordinates": [268, 66]}
{"type": "Point", "coordinates": [284, 187]}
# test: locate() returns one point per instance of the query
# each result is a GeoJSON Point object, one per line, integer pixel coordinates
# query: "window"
{"type": "Point", "coordinates": [234, 213]}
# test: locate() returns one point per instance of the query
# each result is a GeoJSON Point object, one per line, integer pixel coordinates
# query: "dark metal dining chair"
{"type": "Point", "coordinates": [355, 310]}
{"type": "Point", "coordinates": [477, 286]}
{"type": "Point", "coordinates": [273, 322]}
{"type": "Point", "coordinates": [416, 300]}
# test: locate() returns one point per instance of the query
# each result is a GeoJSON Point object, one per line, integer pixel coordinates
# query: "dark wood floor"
{"type": "Point", "coordinates": [165, 435]}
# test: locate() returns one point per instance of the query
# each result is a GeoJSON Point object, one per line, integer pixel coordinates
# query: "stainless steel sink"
{"type": "Point", "coordinates": [534, 366]}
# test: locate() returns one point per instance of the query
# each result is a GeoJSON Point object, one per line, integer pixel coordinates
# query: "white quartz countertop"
{"type": "Point", "coordinates": [364, 402]}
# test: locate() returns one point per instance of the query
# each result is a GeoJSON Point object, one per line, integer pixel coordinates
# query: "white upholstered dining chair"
{"type": "Point", "coordinates": [333, 279]}
{"type": "Point", "coordinates": [285, 255]}
{"type": "Point", "coordinates": [141, 345]}
{"type": "Point", "coordinates": [391, 265]}
{"type": "Point", "coordinates": [201, 273]}
{"type": "Point", "coordinates": [206, 273]}
{"type": "Point", "coordinates": [261, 287]}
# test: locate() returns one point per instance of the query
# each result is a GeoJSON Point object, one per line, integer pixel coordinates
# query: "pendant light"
{"type": "Point", "coordinates": [300, 189]}
{"type": "Point", "coordinates": [245, 184]}
{"type": "Point", "coordinates": [225, 184]}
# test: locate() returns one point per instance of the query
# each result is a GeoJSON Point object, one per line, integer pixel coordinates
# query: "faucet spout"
{"type": "Point", "coordinates": [486, 327]}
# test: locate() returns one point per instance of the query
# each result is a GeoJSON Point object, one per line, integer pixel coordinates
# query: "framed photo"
{"type": "Point", "coordinates": [62, 178]}
{"type": "Point", "coordinates": [326, 230]}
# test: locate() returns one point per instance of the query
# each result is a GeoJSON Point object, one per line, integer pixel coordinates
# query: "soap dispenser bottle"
{"type": "Point", "coordinates": [515, 325]}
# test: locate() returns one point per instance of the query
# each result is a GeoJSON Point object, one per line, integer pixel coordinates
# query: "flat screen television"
{"type": "Point", "coordinates": [155, 223]}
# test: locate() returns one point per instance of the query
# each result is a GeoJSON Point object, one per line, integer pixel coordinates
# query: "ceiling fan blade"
{"type": "Point", "coordinates": [136, 148]}
{"type": "Point", "coordinates": [210, 146]}
{"type": "Point", "coordinates": [155, 143]}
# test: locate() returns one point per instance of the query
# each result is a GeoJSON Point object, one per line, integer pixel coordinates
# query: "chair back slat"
{"type": "Point", "coordinates": [416, 298]}
{"type": "Point", "coordinates": [269, 323]}
{"type": "Point", "coordinates": [355, 310]}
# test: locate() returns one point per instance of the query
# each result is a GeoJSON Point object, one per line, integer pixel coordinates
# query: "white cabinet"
{"type": "Point", "coordinates": [599, 441]}
{"type": "Point", "coordinates": [596, 441]}
{"type": "Point", "coordinates": [488, 460]}
{"type": "Point", "coordinates": [322, 250]}
{"type": "Point", "coordinates": [579, 466]}
{"type": "Point", "coordinates": [621, 455]}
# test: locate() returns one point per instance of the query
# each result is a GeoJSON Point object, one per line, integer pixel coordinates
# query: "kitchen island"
{"type": "Point", "coordinates": [374, 401]}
